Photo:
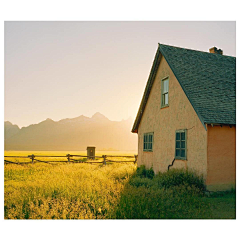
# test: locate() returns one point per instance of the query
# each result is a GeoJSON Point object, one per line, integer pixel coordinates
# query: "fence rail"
{"type": "Point", "coordinates": [70, 159]}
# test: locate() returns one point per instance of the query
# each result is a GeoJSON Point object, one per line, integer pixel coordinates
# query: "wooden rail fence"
{"type": "Point", "coordinates": [70, 159]}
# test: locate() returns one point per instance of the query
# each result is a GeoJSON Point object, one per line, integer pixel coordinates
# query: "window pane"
{"type": "Point", "coordinates": [182, 153]}
{"type": "Point", "coordinates": [183, 144]}
{"type": "Point", "coordinates": [165, 86]}
{"type": "Point", "coordinates": [150, 137]}
{"type": "Point", "coordinates": [150, 146]}
{"type": "Point", "coordinates": [177, 152]}
{"type": "Point", "coordinates": [177, 136]}
{"type": "Point", "coordinates": [183, 136]}
{"type": "Point", "coordinates": [166, 99]}
{"type": "Point", "coordinates": [177, 144]}
{"type": "Point", "coordinates": [163, 100]}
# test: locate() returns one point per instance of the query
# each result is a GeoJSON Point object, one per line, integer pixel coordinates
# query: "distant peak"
{"type": "Point", "coordinates": [8, 123]}
{"type": "Point", "coordinates": [49, 119]}
{"type": "Point", "coordinates": [80, 117]}
{"type": "Point", "coordinates": [98, 115]}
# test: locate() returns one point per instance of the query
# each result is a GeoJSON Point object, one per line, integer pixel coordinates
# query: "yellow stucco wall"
{"type": "Point", "coordinates": [164, 122]}
{"type": "Point", "coordinates": [221, 155]}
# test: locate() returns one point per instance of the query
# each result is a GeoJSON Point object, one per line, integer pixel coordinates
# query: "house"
{"type": "Point", "coordinates": [187, 116]}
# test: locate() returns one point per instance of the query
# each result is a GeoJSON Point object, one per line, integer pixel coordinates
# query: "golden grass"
{"type": "Point", "coordinates": [63, 191]}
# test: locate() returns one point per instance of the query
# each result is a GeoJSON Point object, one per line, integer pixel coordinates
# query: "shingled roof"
{"type": "Point", "coordinates": [208, 80]}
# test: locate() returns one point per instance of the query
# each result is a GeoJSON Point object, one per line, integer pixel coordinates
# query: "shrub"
{"type": "Point", "coordinates": [142, 172]}
{"type": "Point", "coordinates": [180, 177]}
{"type": "Point", "coordinates": [139, 181]}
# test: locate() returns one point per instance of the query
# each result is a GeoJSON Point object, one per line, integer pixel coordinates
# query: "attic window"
{"type": "Point", "coordinates": [148, 142]}
{"type": "Point", "coordinates": [181, 145]}
{"type": "Point", "coordinates": [164, 92]}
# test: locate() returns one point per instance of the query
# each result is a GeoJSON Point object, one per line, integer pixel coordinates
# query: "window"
{"type": "Point", "coordinates": [148, 142]}
{"type": "Point", "coordinates": [165, 88]}
{"type": "Point", "coordinates": [181, 145]}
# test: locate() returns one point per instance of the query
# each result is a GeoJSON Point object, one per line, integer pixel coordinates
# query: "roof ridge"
{"type": "Point", "coordinates": [160, 44]}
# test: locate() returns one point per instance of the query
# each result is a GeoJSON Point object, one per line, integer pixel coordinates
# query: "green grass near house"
{"type": "Point", "coordinates": [173, 195]}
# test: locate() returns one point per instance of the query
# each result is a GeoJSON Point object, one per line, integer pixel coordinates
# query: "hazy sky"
{"type": "Point", "coordinates": [65, 69]}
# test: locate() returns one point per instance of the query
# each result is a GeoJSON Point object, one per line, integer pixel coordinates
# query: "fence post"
{"type": "Point", "coordinates": [104, 159]}
{"type": "Point", "coordinates": [68, 157]}
{"type": "Point", "coordinates": [32, 157]}
{"type": "Point", "coordinates": [136, 157]}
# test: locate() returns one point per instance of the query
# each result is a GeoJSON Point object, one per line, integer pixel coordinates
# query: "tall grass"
{"type": "Point", "coordinates": [65, 191]}
{"type": "Point", "coordinates": [114, 191]}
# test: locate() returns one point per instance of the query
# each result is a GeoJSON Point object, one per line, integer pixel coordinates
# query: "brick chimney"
{"type": "Point", "coordinates": [215, 50]}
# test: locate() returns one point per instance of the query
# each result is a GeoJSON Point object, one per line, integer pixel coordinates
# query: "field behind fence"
{"type": "Point", "coordinates": [26, 157]}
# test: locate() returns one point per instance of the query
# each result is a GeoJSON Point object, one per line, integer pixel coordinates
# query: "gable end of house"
{"type": "Point", "coordinates": [208, 81]}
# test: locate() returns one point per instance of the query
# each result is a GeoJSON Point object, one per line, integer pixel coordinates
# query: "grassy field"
{"type": "Point", "coordinates": [114, 191]}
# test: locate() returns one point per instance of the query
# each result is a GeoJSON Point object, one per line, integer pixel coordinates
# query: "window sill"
{"type": "Point", "coordinates": [165, 106]}
{"type": "Point", "coordinates": [179, 158]}
{"type": "Point", "coordinates": [148, 151]}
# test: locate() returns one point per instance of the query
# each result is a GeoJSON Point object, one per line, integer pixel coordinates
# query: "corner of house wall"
{"type": "Point", "coordinates": [206, 174]}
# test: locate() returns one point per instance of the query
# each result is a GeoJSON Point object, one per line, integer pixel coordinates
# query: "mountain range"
{"type": "Point", "coordinates": [72, 134]}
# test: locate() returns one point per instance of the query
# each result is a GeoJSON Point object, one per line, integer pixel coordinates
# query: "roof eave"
{"type": "Point", "coordinates": [219, 124]}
